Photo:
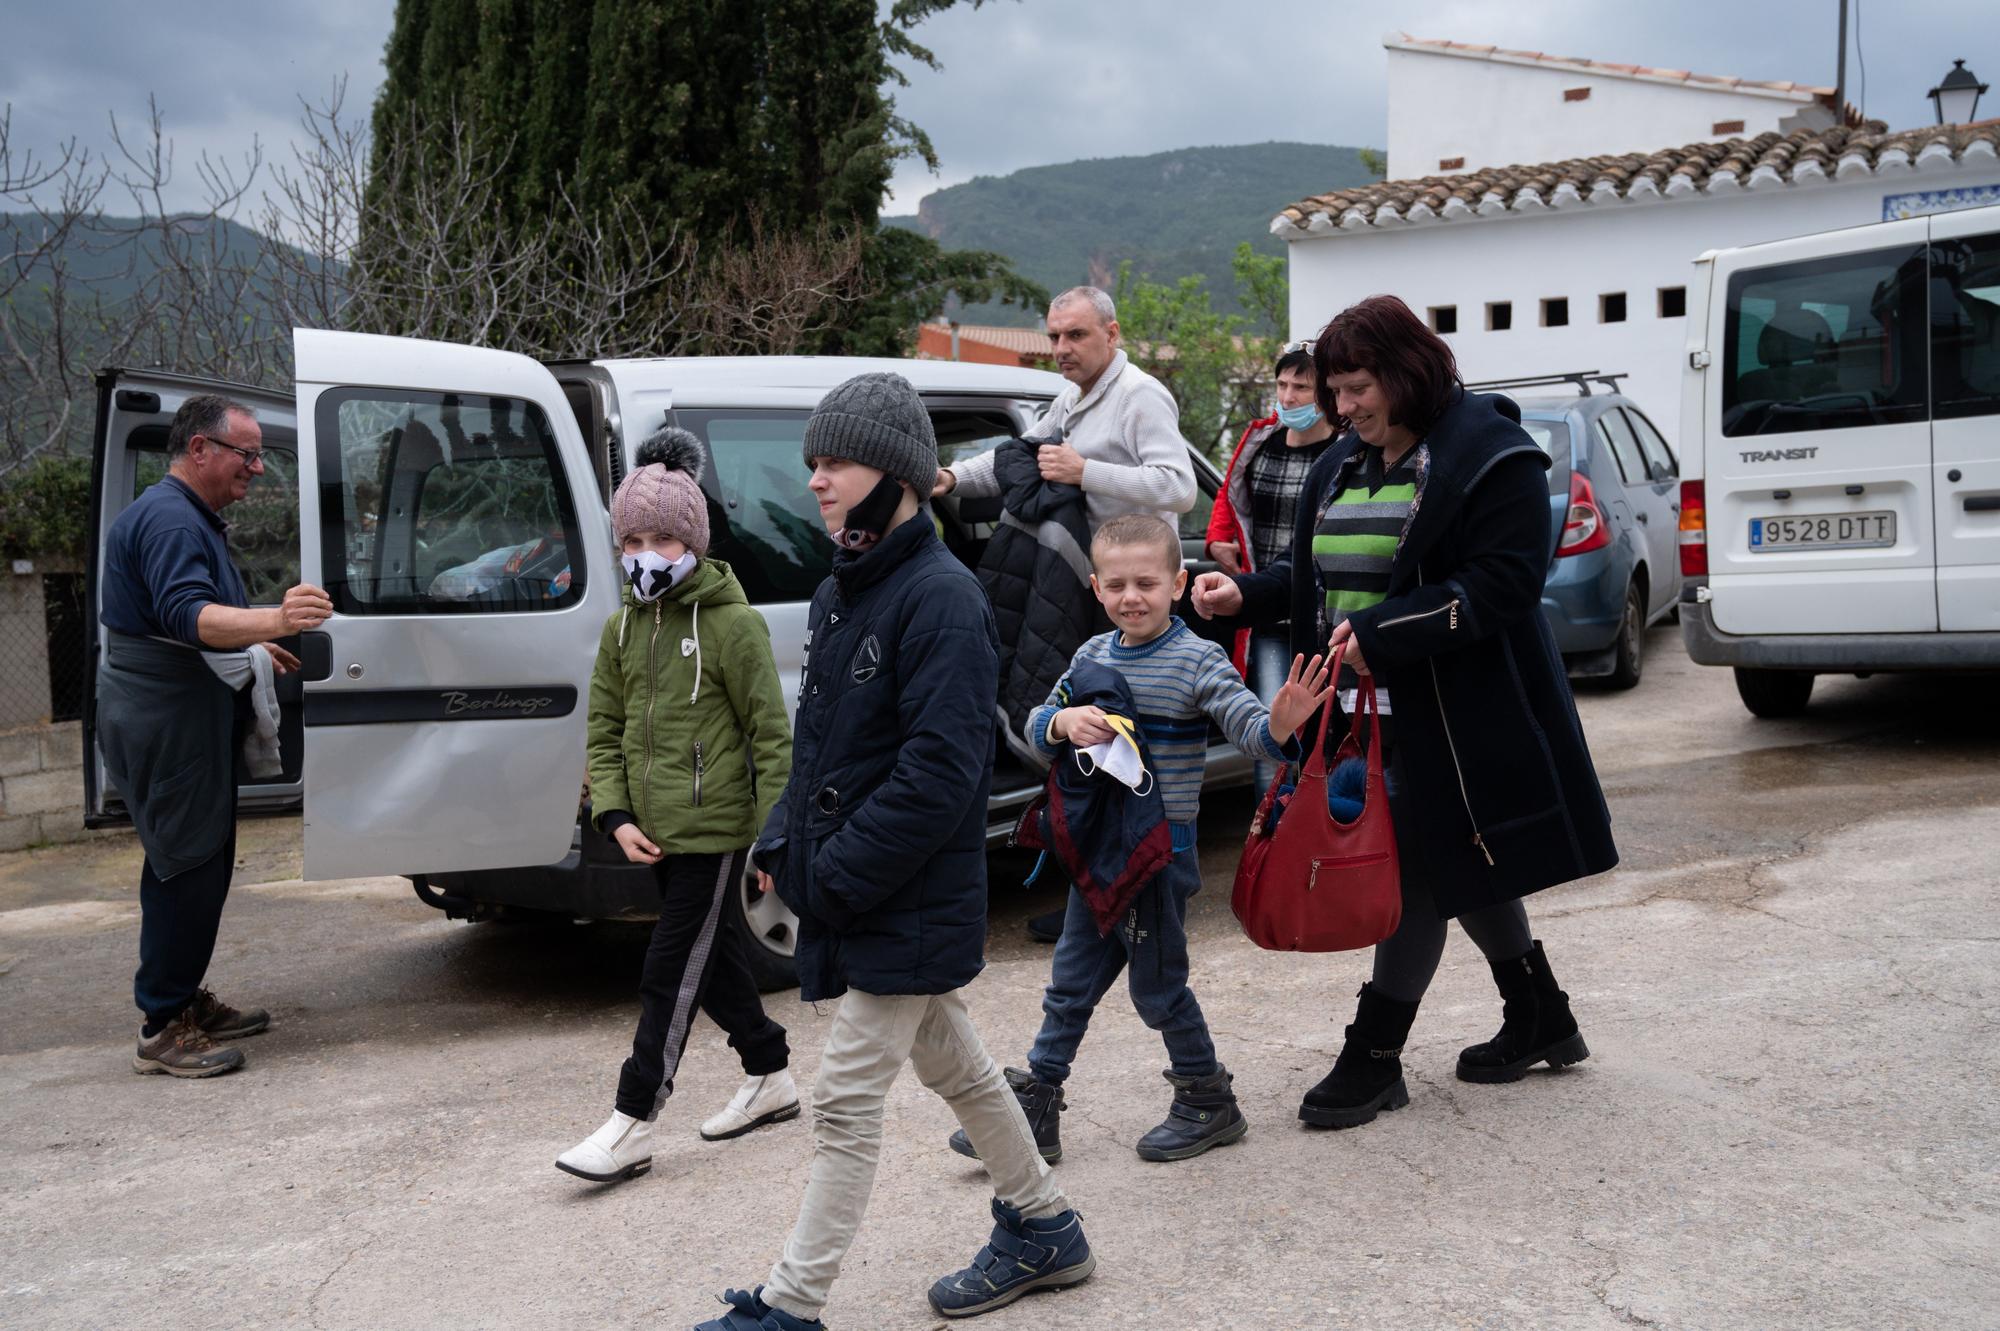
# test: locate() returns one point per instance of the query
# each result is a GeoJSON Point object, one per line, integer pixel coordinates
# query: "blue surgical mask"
{"type": "Point", "coordinates": [1302, 417]}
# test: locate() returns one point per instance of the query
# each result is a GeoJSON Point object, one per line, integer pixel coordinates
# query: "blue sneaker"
{"type": "Point", "coordinates": [1021, 1256]}
{"type": "Point", "coordinates": [748, 1312]}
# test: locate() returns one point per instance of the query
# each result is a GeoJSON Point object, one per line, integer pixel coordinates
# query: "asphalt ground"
{"type": "Point", "coordinates": [1789, 1118]}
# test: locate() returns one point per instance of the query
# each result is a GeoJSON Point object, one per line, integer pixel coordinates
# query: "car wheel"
{"type": "Point", "coordinates": [1631, 643]}
{"type": "Point", "coordinates": [1774, 693]}
{"type": "Point", "coordinates": [770, 934]}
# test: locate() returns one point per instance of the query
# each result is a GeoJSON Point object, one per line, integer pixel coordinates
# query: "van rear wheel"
{"type": "Point", "coordinates": [1774, 693]}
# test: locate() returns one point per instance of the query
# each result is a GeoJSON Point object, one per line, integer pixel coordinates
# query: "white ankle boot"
{"type": "Point", "coordinates": [620, 1149]}
{"type": "Point", "coordinates": [760, 1100]}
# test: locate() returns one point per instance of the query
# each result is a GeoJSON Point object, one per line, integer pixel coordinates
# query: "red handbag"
{"type": "Point", "coordinates": [1311, 884]}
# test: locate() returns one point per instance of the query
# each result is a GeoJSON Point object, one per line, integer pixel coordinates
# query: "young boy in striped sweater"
{"type": "Point", "coordinates": [1179, 683]}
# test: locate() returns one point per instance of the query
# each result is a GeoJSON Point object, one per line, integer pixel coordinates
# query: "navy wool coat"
{"type": "Point", "coordinates": [879, 841]}
{"type": "Point", "coordinates": [1498, 796]}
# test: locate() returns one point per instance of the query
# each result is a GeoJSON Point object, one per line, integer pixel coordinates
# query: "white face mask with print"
{"type": "Point", "coordinates": [1117, 757]}
{"type": "Point", "coordinates": [652, 574]}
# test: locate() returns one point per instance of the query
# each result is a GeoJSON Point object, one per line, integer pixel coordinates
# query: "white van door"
{"type": "Point", "coordinates": [450, 513]}
{"type": "Point", "coordinates": [1818, 467]}
{"type": "Point", "coordinates": [1965, 417]}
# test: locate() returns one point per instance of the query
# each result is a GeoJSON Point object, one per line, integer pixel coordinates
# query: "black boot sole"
{"type": "Point", "coordinates": [1558, 1055]}
{"type": "Point", "coordinates": [632, 1170]}
{"type": "Point", "coordinates": [1235, 1132]}
{"type": "Point", "coordinates": [1050, 1154]}
{"type": "Point", "coordinates": [785, 1115]}
{"type": "Point", "coordinates": [1393, 1096]}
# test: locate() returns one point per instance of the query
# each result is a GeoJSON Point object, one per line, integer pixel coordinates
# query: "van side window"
{"type": "Point", "coordinates": [1826, 344]}
{"type": "Point", "coordinates": [1965, 327]}
{"type": "Point", "coordinates": [442, 503]}
{"type": "Point", "coordinates": [762, 521]}
{"type": "Point", "coordinates": [1623, 446]}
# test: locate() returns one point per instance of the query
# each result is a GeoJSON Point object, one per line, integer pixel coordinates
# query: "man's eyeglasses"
{"type": "Point", "coordinates": [252, 457]}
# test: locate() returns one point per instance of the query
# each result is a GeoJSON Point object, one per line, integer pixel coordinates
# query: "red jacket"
{"type": "Point", "coordinates": [1224, 525]}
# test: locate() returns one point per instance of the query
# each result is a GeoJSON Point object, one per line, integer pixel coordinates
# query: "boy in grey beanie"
{"type": "Point", "coordinates": [879, 845]}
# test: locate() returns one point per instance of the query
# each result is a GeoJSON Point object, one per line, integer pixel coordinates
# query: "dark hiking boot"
{"type": "Point", "coordinates": [1204, 1114]}
{"type": "Point", "coordinates": [749, 1312]}
{"type": "Point", "coordinates": [219, 1021]}
{"type": "Point", "coordinates": [1019, 1257]}
{"type": "Point", "coordinates": [1047, 928]}
{"type": "Point", "coordinates": [1042, 1103]}
{"type": "Point", "coordinates": [1367, 1077]}
{"type": "Point", "coordinates": [1535, 1024]}
{"type": "Point", "coordinates": [183, 1049]}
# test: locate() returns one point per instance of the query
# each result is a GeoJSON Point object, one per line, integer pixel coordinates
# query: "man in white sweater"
{"type": "Point", "coordinates": [1115, 431]}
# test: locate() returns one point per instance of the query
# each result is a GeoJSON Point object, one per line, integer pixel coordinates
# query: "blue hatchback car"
{"type": "Point", "coordinates": [1614, 509]}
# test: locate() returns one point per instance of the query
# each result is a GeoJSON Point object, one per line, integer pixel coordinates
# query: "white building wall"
{"type": "Point", "coordinates": [1636, 248]}
{"type": "Point", "coordinates": [1493, 112]}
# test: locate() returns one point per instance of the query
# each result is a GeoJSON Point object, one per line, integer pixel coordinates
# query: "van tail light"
{"type": "Point", "coordinates": [1694, 530]}
{"type": "Point", "coordinates": [1584, 527]}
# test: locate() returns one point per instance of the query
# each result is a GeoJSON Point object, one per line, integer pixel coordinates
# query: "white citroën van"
{"type": "Point", "coordinates": [453, 501]}
{"type": "Point", "coordinates": [1840, 507]}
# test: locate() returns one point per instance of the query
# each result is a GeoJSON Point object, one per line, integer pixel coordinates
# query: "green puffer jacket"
{"type": "Point", "coordinates": [688, 730]}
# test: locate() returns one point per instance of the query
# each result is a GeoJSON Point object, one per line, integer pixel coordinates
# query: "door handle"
{"type": "Point", "coordinates": [1982, 503]}
{"type": "Point", "coordinates": [315, 656]}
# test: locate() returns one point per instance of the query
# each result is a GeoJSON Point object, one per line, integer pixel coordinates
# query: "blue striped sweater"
{"type": "Point", "coordinates": [1179, 683]}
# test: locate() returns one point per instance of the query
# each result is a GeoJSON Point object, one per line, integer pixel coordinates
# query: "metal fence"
{"type": "Point", "coordinates": [41, 644]}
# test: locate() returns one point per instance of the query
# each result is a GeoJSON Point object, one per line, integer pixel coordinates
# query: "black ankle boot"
{"type": "Point", "coordinates": [1367, 1078]}
{"type": "Point", "coordinates": [1043, 1104]}
{"type": "Point", "coordinates": [1535, 1025]}
{"type": "Point", "coordinates": [1203, 1114]}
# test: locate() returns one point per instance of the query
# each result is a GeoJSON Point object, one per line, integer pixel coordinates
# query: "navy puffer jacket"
{"type": "Point", "coordinates": [879, 842]}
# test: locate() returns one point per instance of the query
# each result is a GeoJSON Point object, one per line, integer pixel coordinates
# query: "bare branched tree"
{"type": "Point", "coordinates": [216, 289]}
{"type": "Point", "coordinates": [764, 296]}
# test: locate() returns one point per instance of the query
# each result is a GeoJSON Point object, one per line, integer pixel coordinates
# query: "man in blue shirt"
{"type": "Point", "coordinates": [170, 730]}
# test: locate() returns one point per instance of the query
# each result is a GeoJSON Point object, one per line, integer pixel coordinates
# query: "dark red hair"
{"type": "Point", "coordinates": [1382, 336]}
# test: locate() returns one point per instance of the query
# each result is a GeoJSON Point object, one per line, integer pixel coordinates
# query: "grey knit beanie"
{"type": "Point", "coordinates": [663, 491]}
{"type": "Point", "coordinates": [879, 421]}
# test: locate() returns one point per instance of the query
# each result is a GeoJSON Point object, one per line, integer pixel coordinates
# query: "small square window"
{"type": "Point", "coordinates": [1444, 318]}
{"type": "Point", "coordinates": [1576, 94]}
{"type": "Point", "coordinates": [1499, 315]}
{"type": "Point", "coordinates": [1451, 164]}
{"type": "Point", "coordinates": [1555, 312]}
{"type": "Point", "coordinates": [1673, 302]}
{"type": "Point", "coordinates": [1727, 127]}
{"type": "Point", "coordinates": [1611, 308]}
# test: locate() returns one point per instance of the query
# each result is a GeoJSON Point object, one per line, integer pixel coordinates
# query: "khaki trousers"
{"type": "Point", "coordinates": [871, 1039]}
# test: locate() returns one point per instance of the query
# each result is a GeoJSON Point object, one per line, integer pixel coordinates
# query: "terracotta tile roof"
{"type": "Point", "coordinates": [1697, 169]}
{"type": "Point", "coordinates": [1799, 92]}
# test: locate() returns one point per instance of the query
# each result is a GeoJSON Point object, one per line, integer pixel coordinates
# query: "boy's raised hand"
{"type": "Point", "coordinates": [635, 845]}
{"type": "Point", "coordinates": [1304, 693]}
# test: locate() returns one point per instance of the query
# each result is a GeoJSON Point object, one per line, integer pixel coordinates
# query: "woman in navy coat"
{"type": "Point", "coordinates": [1422, 542]}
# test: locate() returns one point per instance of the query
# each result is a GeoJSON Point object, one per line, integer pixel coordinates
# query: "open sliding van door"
{"type": "Point", "coordinates": [452, 517]}
{"type": "Point", "coordinates": [134, 411]}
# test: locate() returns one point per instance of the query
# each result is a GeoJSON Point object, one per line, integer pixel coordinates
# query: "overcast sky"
{"type": "Point", "coordinates": [1023, 82]}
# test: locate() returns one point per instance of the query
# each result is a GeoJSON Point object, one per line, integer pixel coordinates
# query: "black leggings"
{"type": "Point", "coordinates": [1406, 960]}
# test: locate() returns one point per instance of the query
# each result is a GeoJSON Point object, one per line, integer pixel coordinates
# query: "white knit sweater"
{"type": "Point", "coordinates": [1129, 432]}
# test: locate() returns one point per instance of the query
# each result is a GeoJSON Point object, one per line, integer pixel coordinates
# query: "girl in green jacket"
{"type": "Point", "coordinates": [690, 746]}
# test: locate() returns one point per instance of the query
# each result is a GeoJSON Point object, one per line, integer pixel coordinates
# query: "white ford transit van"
{"type": "Point", "coordinates": [1840, 507]}
{"type": "Point", "coordinates": [453, 501]}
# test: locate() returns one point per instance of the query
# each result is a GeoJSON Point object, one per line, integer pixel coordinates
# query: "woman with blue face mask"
{"type": "Point", "coordinates": [1251, 525]}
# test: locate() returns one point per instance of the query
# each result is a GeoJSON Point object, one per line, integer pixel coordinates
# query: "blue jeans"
{"type": "Point", "coordinates": [1270, 662]}
{"type": "Point", "coordinates": [1150, 946]}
